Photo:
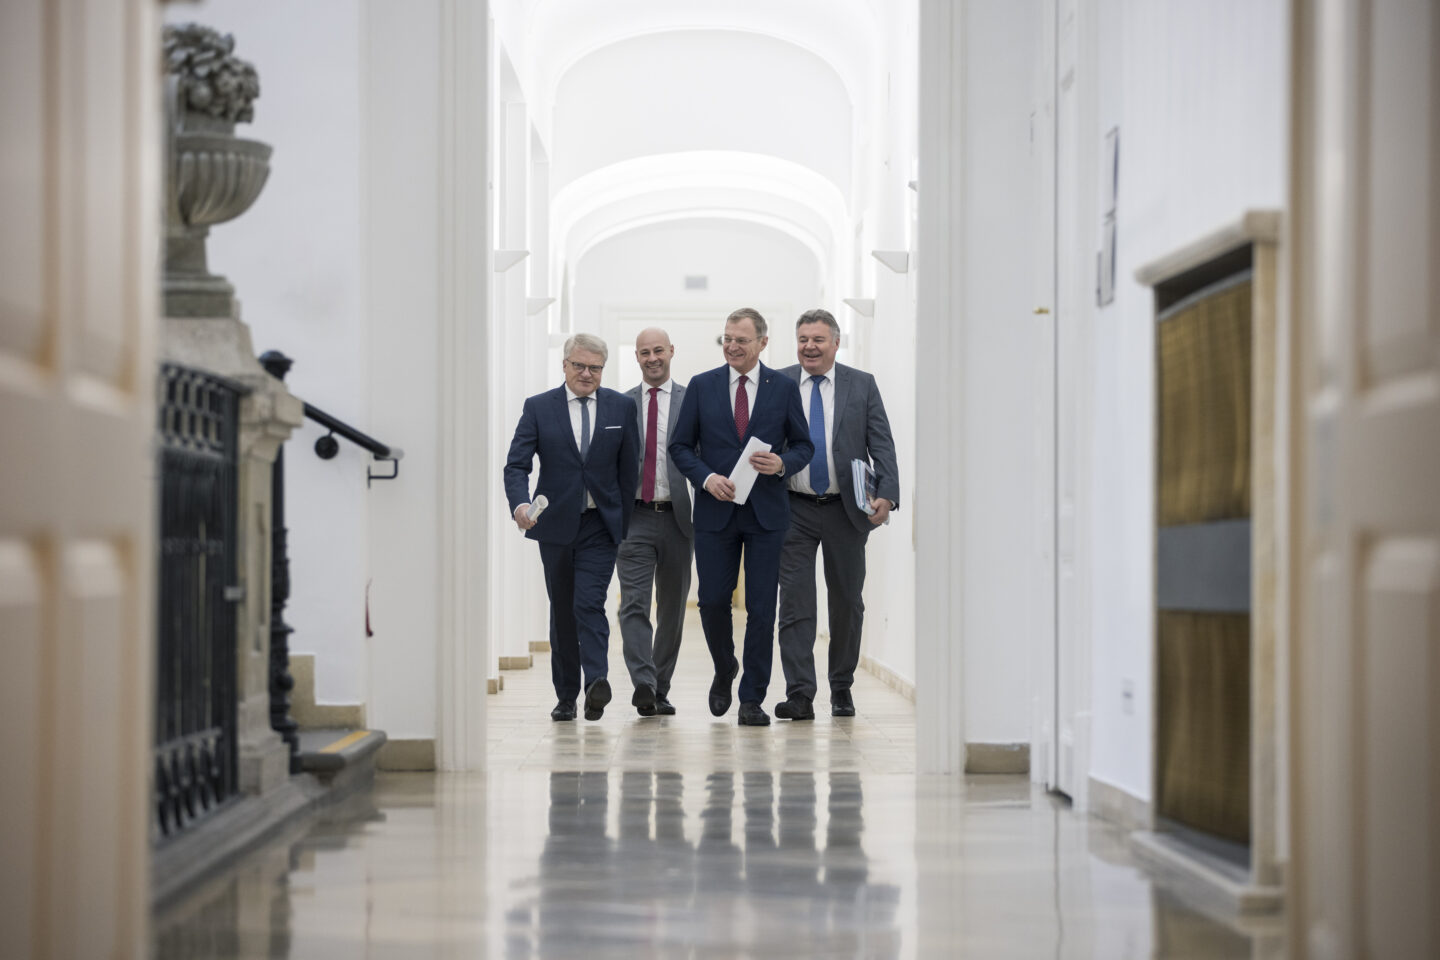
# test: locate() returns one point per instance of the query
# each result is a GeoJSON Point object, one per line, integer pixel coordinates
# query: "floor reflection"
{"type": "Point", "coordinates": [749, 868]}
{"type": "Point", "coordinates": [699, 864]}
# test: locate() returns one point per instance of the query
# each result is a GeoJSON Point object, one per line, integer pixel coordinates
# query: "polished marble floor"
{"type": "Point", "coordinates": [691, 837]}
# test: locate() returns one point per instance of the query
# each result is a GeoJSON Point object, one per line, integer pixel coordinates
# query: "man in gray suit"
{"type": "Point", "coordinates": [661, 541]}
{"type": "Point", "coordinates": [847, 422]}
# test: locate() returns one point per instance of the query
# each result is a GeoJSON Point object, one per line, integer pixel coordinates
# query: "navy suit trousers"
{"type": "Point", "coordinates": [577, 574]}
{"type": "Point", "coordinates": [717, 562]}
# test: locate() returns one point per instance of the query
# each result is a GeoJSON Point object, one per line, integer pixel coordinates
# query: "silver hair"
{"type": "Point", "coordinates": [751, 314]}
{"type": "Point", "coordinates": [586, 341]}
{"type": "Point", "coordinates": [819, 315]}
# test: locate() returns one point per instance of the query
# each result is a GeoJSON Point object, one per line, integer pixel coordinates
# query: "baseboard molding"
{"type": "Point", "coordinates": [1207, 879]}
{"type": "Point", "coordinates": [1109, 802]}
{"type": "Point", "coordinates": [517, 663]}
{"type": "Point", "coordinates": [888, 677]}
{"type": "Point", "coordinates": [308, 714]}
{"type": "Point", "coordinates": [539, 646]}
{"type": "Point", "coordinates": [406, 756]}
{"type": "Point", "coordinates": [997, 758]}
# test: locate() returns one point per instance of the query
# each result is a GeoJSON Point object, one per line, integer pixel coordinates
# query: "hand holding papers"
{"type": "Point", "coordinates": [538, 507]}
{"type": "Point", "coordinates": [863, 476]}
{"type": "Point", "coordinates": [744, 474]}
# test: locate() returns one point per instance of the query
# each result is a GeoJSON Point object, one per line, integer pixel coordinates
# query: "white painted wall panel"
{"type": "Point", "coordinates": [295, 261]}
{"type": "Point", "coordinates": [1201, 106]}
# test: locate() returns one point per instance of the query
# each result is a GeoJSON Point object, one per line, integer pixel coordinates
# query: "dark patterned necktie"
{"type": "Point", "coordinates": [742, 408]}
{"type": "Point", "coordinates": [652, 424]}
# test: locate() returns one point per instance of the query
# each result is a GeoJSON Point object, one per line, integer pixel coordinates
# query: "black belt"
{"type": "Point", "coordinates": [824, 498]}
{"type": "Point", "coordinates": [659, 506]}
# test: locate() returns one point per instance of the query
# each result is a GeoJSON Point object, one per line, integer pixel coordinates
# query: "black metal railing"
{"type": "Point", "coordinates": [195, 720]}
{"type": "Point", "coordinates": [281, 680]}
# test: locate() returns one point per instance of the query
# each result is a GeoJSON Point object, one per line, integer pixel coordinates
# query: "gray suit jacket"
{"type": "Point", "coordinates": [679, 486]}
{"type": "Point", "coordinates": [860, 431]}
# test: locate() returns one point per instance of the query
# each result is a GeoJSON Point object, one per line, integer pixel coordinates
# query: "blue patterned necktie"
{"type": "Point", "coordinates": [819, 469]}
{"type": "Point", "coordinates": [584, 427]}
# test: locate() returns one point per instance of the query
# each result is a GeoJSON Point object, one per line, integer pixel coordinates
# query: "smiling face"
{"type": "Point", "coordinates": [582, 371]}
{"type": "Point", "coordinates": [654, 352]}
{"type": "Point", "coordinates": [816, 345]}
{"type": "Point", "coordinates": [742, 347]}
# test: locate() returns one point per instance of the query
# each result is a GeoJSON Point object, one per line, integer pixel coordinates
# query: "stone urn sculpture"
{"type": "Point", "coordinates": [213, 175]}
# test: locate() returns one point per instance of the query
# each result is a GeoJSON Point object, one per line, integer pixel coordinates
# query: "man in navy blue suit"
{"type": "Point", "coordinates": [723, 408]}
{"type": "Point", "coordinates": [589, 447]}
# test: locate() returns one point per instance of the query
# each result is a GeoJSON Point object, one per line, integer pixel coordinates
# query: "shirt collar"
{"type": "Point", "coordinates": [807, 377]}
{"type": "Point", "coordinates": [572, 395]}
{"type": "Point", "coordinates": [735, 374]}
{"type": "Point", "coordinates": [664, 387]}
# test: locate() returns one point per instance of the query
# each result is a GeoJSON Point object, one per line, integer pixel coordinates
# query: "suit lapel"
{"type": "Point", "coordinates": [842, 393]}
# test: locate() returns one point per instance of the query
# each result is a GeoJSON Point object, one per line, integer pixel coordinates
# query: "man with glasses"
{"type": "Point", "coordinates": [847, 422]}
{"type": "Point", "coordinates": [589, 449]}
{"type": "Point", "coordinates": [723, 409]}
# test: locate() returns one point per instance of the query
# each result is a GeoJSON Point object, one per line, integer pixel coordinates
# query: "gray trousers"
{"type": "Point", "coordinates": [654, 552]}
{"type": "Point", "coordinates": [827, 527]}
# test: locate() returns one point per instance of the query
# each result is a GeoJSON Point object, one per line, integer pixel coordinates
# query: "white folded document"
{"type": "Point", "coordinates": [743, 476]}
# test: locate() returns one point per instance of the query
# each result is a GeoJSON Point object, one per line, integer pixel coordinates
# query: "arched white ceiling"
{"type": "Point", "coordinates": [552, 35]}
{"type": "Point", "coordinates": [699, 90]}
{"type": "Point", "coordinates": [757, 188]}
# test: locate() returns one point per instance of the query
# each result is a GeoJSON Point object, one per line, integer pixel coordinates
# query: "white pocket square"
{"type": "Point", "coordinates": [616, 427]}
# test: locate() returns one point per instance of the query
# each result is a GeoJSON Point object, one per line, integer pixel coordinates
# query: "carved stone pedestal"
{"type": "Point", "coordinates": [268, 414]}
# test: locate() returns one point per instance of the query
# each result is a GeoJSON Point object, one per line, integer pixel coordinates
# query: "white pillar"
{"type": "Point", "coordinates": [940, 333]}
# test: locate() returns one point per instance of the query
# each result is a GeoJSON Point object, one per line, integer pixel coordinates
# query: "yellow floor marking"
{"type": "Point", "coordinates": [344, 742]}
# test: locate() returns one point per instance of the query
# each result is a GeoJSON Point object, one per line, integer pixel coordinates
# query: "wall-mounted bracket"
{"type": "Point", "coordinates": [534, 305]}
{"type": "Point", "coordinates": [505, 259]}
{"type": "Point", "coordinates": [897, 260]}
{"type": "Point", "coordinates": [865, 306]}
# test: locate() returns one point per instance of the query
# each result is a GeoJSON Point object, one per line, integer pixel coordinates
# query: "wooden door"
{"type": "Point", "coordinates": [79, 217]}
{"type": "Point", "coordinates": [1365, 238]}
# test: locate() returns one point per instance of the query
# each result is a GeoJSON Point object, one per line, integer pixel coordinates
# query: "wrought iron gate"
{"type": "Point", "coordinates": [195, 722]}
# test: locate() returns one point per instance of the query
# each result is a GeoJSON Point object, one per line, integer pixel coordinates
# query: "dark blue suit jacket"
{"type": "Point", "coordinates": [704, 442]}
{"type": "Point", "coordinates": [611, 472]}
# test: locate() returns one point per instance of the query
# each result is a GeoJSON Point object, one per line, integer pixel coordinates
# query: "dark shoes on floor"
{"type": "Point", "coordinates": [841, 704]}
{"type": "Point", "coordinates": [753, 715]}
{"type": "Point", "coordinates": [644, 700]}
{"type": "Point", "coordinates": [664, 707]}
{"type": "Point", "coordinates": [796, 708]}
{"type": "Point", "coordinates": [720, 691]}
{"type": "Point", "coordinates": [597, 695]}
{"type": "Point", "coordinates": [564, 710]}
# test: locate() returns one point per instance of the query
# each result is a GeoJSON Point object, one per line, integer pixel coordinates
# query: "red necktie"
{"type": "Point", "coordinates": [742, 408]}
{"type": "Point", "coordinates": [652, 423]}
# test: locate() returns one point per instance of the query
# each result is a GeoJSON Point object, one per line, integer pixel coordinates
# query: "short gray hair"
{"type": "Point", "coordinates": [586, 341]}
{"type": "Point", "coordinates": [819, 315]}
{"type": "Point", "coordinates": [751, 314]}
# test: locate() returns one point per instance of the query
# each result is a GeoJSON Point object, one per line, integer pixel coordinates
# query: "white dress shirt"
{"type": "Point", "coordinates": [751, 388]}
{"type": "Point", "coordinates": [573, 402]}
{"type": "Point", "coordinates": [801, 481]}
{"type": "Point", "coordinates": [662, 435]}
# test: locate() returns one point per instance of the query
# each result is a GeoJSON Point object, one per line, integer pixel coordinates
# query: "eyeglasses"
{"type": "Point", "coordinates": [738, 341]}
{"type": "Point", "coordinates": [595, 368]}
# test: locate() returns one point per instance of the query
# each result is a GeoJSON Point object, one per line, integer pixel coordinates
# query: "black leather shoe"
{"type": "Point", "coordinates": [753, 715]}
{"type": "Point", "coordinates": [644, 700]}
{"type": "Point", "coordinates": [597, 695]}
{"type": "Point", "coordinates": [564, 710]}
{"type": "Point", "coordinates": [720, 691]}
{"type": "Point", "coordinates": [796, 708]}
{"type": "Point", "coordinates": [841, 704]}
{"type": "Point", "coordinates": [664, 707]}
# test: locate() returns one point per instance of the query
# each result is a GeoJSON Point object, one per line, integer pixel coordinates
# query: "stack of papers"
{"type": "Point", "coordinates": [864, 476]}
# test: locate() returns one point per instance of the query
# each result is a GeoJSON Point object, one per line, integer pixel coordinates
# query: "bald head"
{"type": "Point", "coordinates": [653, 352]}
